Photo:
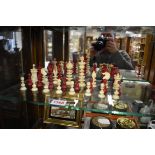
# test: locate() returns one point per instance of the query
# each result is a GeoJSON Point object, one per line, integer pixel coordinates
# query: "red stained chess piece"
{"type": "Point", "coordinates": [39, 84]}
{"type": "Point", "coordinates": [64, 86]}
{"type": "Point", "coordinates": [105, 90]}
{"type": "Point", "coordinates": [114, 70]}
{"type": "Point", "coordinates": [65, 68]}
{"type": "Point", "coordinates": [51, 86]}
{"type": "Point", "coordinates": [50, 68]}
{"type": "Point", "coordinates": [29, 81]}
{"type": "Point", "coordinates": [39, 70]}
{"type": "Point", "coordinates": [94, 67]}
{"type": "Point", "coordinates": [59, 71]}
{"type": "Point", "coordinates": [91, 85]}
{"type": "Point", "coordinates": [77, 86]}
{"type": "Point", "coordinates": [74, 67]}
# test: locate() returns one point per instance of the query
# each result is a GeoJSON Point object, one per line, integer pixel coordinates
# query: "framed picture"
{"type": "Point", "coordinates": [61, 112]}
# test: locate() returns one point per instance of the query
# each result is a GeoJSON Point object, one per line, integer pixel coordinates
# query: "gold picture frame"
{"type": "Point", "coordinates": [48, 119]}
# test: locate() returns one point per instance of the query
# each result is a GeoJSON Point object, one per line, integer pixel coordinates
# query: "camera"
{"type": "Point", "coordinates": [100, 43]}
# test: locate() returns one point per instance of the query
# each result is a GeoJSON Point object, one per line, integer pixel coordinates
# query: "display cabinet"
{"type": "Point", "coordinates": [78, 111]}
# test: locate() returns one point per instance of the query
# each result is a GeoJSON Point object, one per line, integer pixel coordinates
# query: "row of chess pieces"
{"type": "Point", "coordinates": [59, 76]}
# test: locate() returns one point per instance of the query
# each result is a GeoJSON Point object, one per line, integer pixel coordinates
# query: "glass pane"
{"type": "Point", "coordinates": [11, 64]}
{"type": "Point", "coordinates": [48, 46]}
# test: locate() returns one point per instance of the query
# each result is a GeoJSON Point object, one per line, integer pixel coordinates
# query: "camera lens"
{"type": "Point", "coordinates": [100, 43]}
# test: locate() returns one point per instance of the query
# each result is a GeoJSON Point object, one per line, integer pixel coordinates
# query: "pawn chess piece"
{"type": "Point", "coordinates": [59, 91]}
{"type": "Point", "coordinates": [46, 89]}
{"type": "Point", "coordinates": [101, 93]}
{"type": "Point", "coordinates": [88, 91]}
{"type": "Point", "coordinates": [116, 95]}
{"type": "Point", "coordinates": [22, 84]}
{"type": "Point", "coordinates": [72, 91]}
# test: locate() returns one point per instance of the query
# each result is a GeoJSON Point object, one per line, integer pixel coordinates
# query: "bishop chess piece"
{"type": "Point", "coordinates": [88, 91]}
{"type": "Point", "coordinates": [22, 84]}
{"type": "Point", "coordinates": [59, 91]}
{"type": "Point", "coordinates": [72, 91]}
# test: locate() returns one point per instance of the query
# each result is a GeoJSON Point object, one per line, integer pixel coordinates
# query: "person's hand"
{"type": "Point", "coordinates": [110, 44]}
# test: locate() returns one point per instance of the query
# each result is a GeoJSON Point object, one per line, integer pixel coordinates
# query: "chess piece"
{"type": "Point", "coordinates": [64, 86]}
{"type": "Point", "coordinates": [88, 91]}
{"type": "Point", "coordinates": [101, 93]}
{"type": "Point", "coordinates": [50, 68]}
{"type": "Point", "coordinates": [106, 77]}
{"type": "Point", "coordinates": [39, 71]}
{"type": "Point", "coordinates": [81, 72]}
{"type": "Point", "coordinates": [94, 79]}
{"type": "Point", "coordinates": [22, 84]}
{"type": "Point", "coordinates": [116, 95]}
{"type": "Point", "coordinates": [34, 87]}
{"type": "Point", "coordinates": [29, 81]}
{"type": "Point", "coordinates": [46, 89]}
{"type": "Point", "coordinates": [72, 91]}
{"type": "Point", "coordinates": [39, 84]}
{"type": "Point", "coordinates": [59, 91]}
{"type": "Point", "coordinates": [88, 63]}
{"type": "Point", "coordinates": [77, 87]}
{"type": "Point", "coordinates": [34, 73]}
{"type": "Point", "coordinates": [69, 75]}
{"type": "Point", "coordinates": [50, 86]}
{"type": "Point", "coordinates": [55, 77]}
{"type": "Point", "coordinates": [44, 74]}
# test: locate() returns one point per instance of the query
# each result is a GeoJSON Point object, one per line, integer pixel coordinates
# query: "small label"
{"type": "Point", "coordinates": [58, 102]}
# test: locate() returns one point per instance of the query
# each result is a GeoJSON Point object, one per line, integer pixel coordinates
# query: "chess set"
{"type": "Point", "coordinates": [75, 81]}
{"type": "Point", "coordinates": [68, 79]}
